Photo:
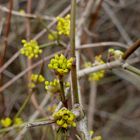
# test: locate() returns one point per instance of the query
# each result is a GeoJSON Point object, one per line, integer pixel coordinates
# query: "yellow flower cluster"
{"type": "Point", "coordinates": [54, 86]}
{"type": "Point", "coordinates": [64, 118]}
{"type": "Point", "coordinates": [36, 78]}
{"type": "Point", "coordinates": [60, 64]}
{"type": "Point", "coordinates": [18, 121]}
{"type": "Point", "coordinates": [8, 122]}
{"type": "Point", "coordinates": [115, 54]}
{"type": "Point", "coordinates": [63, 25]}
{"type": "Point", "coordinates": [30, 49]}
{"type": "Point", "coordinates": [96, 76]}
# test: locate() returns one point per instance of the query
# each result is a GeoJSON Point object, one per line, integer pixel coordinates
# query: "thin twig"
{"type": "Point", "coordinates": [131, 49]}
{"type": "Point", "coordinates": [42, 123]}
{"type": "Point", "coordinates": [113, 64]}
{"type": "Point", "coordinates": [91, 106]}
{"type": "Point", "coordinates": [23, 105]}
{"type": "Point", "coordinates": [62, 92]}
{"type": "Point", "coordinates": [100, 67]}
{"type": "Point", "coordinates": [26, 15]}
{"type": "Point", "coordinates": [101, 44]}
{"type": "Point", "coordinates": [36, 105]}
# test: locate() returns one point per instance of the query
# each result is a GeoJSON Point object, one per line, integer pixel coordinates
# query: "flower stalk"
{"type": "Point", "coordinates": [75, 98]}
{"type": "Point", "coordinates": [62, 92]}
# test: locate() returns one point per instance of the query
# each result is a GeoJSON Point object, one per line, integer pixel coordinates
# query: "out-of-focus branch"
{"type": "Point", "coordinates": [35, 124]}
{"type": "Point", "coordinates": [111, 65]}
{"type": "Point", "coordinates": [101, 44]}
{"type": "Point", "coordinates": [91, 106]}
{"type": "Point", "coordinates": [117, 23]}
{"type": "Point", "coordinates": [2, 55]}
{"type": "Point", "coordinates": [131, 49]}
{"type": "Point", "coordinates": [26, 15]}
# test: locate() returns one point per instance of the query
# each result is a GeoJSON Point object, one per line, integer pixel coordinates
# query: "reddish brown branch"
{"type": "Point", "coordinates": [7, 29]}
{"type": "Point", "coordinates": [28, 35]}
{"type": "Point", "coordinates": [131, 49]}
{"type": "Point", "coordinates": [2, 56]}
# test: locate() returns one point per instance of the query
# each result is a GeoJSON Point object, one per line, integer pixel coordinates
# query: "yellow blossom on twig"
{"type": "Point", "coordinates": [65, 118]}
{"type": "Point", "coordinates": [18, 121]}
{"type": "Point", "coordinates": [63, 25]}
{"type": "Point", "coordinates": [96, 76]}
{"type": "Point", "coordinates": [61, 64]}
{"type": "Point", "coordinates": [6, 122]}
{"type": "Point", "coordinates": [30, 49]}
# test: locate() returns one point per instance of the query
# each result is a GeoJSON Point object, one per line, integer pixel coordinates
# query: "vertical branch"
{"type": "Point", "coordinates": [62, 92]}
{"type": "Point", "coordinates": [28, 26]}
{"type": "Point", "coordinates": [91, 106]}
{"type": "Point", "coordinates": [75, 98]}
{"type": "Point", "coordinates": [2, 56]}
{"type": "Point", "coordinates": [72, 27]}
{"type": "Point", "coordinates": [28, 36]}
{"type": "Point", "coordinates": [82, 123]}
{"type": "Point", "coordinates": [7, 29]}
{"type": "Point", "coordinates": [28, 31]}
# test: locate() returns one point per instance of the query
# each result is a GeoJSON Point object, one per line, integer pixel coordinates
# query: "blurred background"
{"type": "Point", "coordinates": [112, 104]}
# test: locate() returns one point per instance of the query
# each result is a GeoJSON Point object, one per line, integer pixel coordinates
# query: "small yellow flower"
{"type": "Point", "coordinates": [37, 78]}
{"type": "Point", "coordinates": [114, 54]}
{"type": "Point", "coordinates": [94, 137]}
{"type": "Point", "coordinates": [52, 86]}
{"type": "Point", "coordinates": [53, 36]}
{"type": "Point", "coordinates": [96, 76]}
{"type": "Point", "coordinates": [64, 118]}
{"type": "Point", "coordinates": [67, 84]}
{"type": "Point", "coordinates": [91, 132]}
{"type": "Point", "coordinates": [6, 122]}
{"type": "Point", "coordinates": [97, 138]}
{"type": "Point", "coordinates": [60, 122]}
{"type": "Point", "coordinates": [63, 25]}
{"type": "Point", "coordinates": [31, 85]}
{"type": "Point", "coordinates": [21, 11]}
{"type": "Point", "coordinates": [51, 108]}
{"type": "Point", "coordinates": [18, 121]}
{"type": "Point", "coordinates": [61, 64]}
{"type": "Point", "coordinates": [30, 49]}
